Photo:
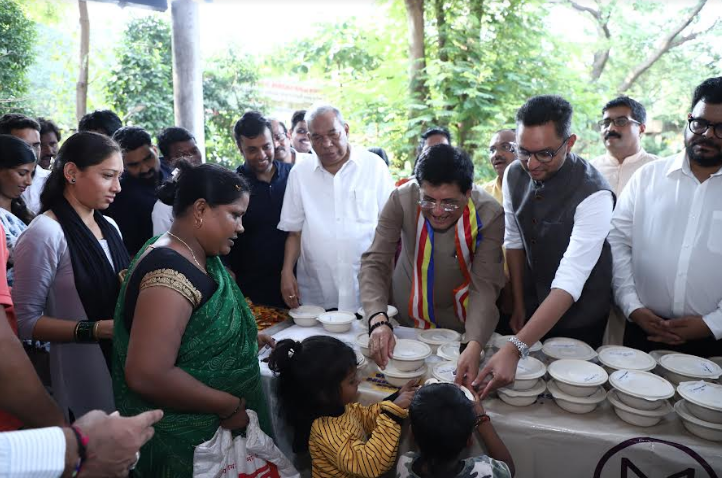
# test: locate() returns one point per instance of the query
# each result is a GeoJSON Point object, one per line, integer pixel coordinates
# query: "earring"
{"type": "Point", "coordinates": [72, 180]}
{"type": "Point", "coordinates": [199, 224]}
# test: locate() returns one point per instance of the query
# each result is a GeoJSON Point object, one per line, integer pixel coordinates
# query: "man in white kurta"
{"type": "Point", "coordinates": [622, 127]}
{"type": "Point", "coordinates": [666, 240]}
{"type": "Point", "coordinates": [330, 209]}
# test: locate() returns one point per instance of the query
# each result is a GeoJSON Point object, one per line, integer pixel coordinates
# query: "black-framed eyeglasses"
{"type": "Point", "coordinates": [446, 206]}
{"type": "Point", "coordinates": [619, 122]}
{"type": "Point", "coordinates": [699, 126]}
{"type": "Point", "coordinates": [505, 146]}
{"type": "Point", "coordinates": [543, 156]}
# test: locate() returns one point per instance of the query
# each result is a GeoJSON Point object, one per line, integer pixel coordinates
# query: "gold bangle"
{"type": "Point", "coordinates": [75, 331]}
{"type": "Point", "coordinates": [95, 330]}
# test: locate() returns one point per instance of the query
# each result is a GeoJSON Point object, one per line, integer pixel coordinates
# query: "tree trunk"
{"type": "Point", "coordinates": [441, 29]}
{"type": "Point", "coordinates": [417, 50]}
{"type": "Point", "coordinates": [81, 89]}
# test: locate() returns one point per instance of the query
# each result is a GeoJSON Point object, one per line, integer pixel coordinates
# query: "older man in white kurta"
{"type": "Point", "coordinates": [332, 203]}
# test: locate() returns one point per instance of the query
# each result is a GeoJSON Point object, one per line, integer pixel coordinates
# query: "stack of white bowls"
{"type": "Point", "coordinates": [679, 368]}
{"type": "Point", "coordinates": [522, 398]}
{"type": "Point", "coordinates": [563, 348]}
{"type": "Point", "coordinates": [701, 409]}
{"type": "Point", "coordinates": [529, 372]}
{"type": "Point", "coordinates": [407, 362]}
{"type": "Point", "coordinates": [437, 337]}
{"type": "Point", "coordinates": [639, 397]}
{"type": "Point", "coordinates": [337, 322]}
{"type": "Point", "coordinates": [614, 357]}
{"type": "Point", "coordinates": [306, 315]}
{"type": "Point", "coordinates": [576, 385]}
{"type": "Point", "coordinates": [444, 372]}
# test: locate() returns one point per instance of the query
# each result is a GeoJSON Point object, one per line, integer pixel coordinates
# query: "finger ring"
{"type": "Point", "coordinates": [135, 463]}
{"type": "Point", "coordinates": [291, 296]}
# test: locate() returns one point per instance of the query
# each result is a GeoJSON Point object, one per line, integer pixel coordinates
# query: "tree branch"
{"type": "Point", "coordinates": [664, 45]}
{"type": "Point", "coordinates": [601, 56]}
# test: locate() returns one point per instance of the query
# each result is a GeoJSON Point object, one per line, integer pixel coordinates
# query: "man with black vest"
{"type": "Point", "coordinates": [558, 211]}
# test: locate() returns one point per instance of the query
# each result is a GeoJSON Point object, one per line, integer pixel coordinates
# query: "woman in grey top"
{"type": "Point", "coordinates": [67, 263]}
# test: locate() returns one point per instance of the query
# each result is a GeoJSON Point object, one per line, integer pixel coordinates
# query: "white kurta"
{"type": "Point", "coordinates": [618, 174]}
{"type": "Point", "coordinates": [337, 216]}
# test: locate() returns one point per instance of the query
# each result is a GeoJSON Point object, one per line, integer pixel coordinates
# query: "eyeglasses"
{"type": "Point", "coordinates": [620, 121]}
{"type": "Point", "coordinates": [543, 156]}
{"type": "Point", "coordinates": [446, 206]}
{"type": "Point", "coordinates": [700, 126]}
{"type": "Point", "coordinates": [508, 147]}
{"type": "Point", "coordinates": [333, 136]}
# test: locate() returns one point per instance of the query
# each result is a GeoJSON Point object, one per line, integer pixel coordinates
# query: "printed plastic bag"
{"type": "Point", "coordinates": [255, 456]}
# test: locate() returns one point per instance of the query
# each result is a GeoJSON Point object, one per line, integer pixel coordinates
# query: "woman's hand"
{"type": "Point", "coordinates": [264, 339]}
{"type": "Point", "coordinates": [104, 330]}
{"type": "Point", "coordinates": [501, 367]}
{"type": "Point", "coordinates": [381, 345]}
{"type": "Point", "coordinates": [406, 394]}
{"type": "Point", "coordinates": [467, 367]}
{"type": "Point", "coordinates": [239, 419]}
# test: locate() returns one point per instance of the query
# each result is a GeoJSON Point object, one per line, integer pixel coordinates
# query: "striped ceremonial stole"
{"type": "Point", "coordinates": [467, 238]}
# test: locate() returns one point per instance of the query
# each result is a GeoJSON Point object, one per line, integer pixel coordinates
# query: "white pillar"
{"type": "Point", "coordinates": [187, 69]}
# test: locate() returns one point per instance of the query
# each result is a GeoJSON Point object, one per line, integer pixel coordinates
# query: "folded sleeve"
{"type": "Point", "coordinates": [512, 235]}
{"type": "Point", "coordinates": [36, 453]}
{"type": "Point", "coordinates": [292, 212]}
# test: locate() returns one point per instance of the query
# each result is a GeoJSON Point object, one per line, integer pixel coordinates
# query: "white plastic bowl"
{"type": "Point", "coordinates": [658, 354]}
{"type": "Point", "coordinates": [559, 348]}
{"type": "Point", "coordinates": [577, 377]}
{"type": "Point", "coordinates": [409, 355]}
{"type": "Point", "coordinates": [528, 372]}
{"type": "Point", "coordinates": [399, 378]}
{"type": "Point", "coordinates": [444, 371]}
{"type": "Point", "coordinates": [700, 428]}
{"type": "Point", "coordinates": [306, 315]}
{"type": "Point", "coordinates": [579, 405]}
{"type": "Point", "coordinates": [521, 398]}
{"type": "Point", "coordinates": [337, 321]}
{"type": "Point", "coordinates": [641, 390]}
{"type": "Point", "coordinates": [624, 358]}
{"type": "Point", "coordinates": [679, 368]}
{"type": "Point", "coordinates": [450, 351]}
{"type": "Point", "coordinates": [704, 400]}
{"type": "Point", "coordinates": [362, 340]}
{"type": "Point", "coordinates": [634, 416]}
{"type": "Point", "coordinates": [361, 361]}
{"type": "Point", "coordinates": [436, 337]}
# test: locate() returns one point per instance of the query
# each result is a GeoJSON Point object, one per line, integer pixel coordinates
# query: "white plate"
{"type": "Point", "coordinates": [625, 358]}
{"type": "Point", "coordinates": [704, 394]}
{"type": "Point", "coordinates": [529, 369]}
{"type": "Point", "coordinates": [410, 350]}
{"type": "Point", "coordinates": [691, 366]}
{"type": "Point", "coordinates": [306, 312]}
{"type": "Point", "coordinates": [579, 373]}
{"type": "Point", "coordinates": [566, 348]}
{"type": "Point", "coordinates": [641, 384]}
{"type": "Point", "coordinates": [336, 317]}
{"type": "Point", "coordinates": [444, 371]}
{"type": "Point", "coordinates": [438, 336]}
{"type": "Point", "coordinates": [394, 372]}
{"type": "Point", "coordinates": [391, 311]}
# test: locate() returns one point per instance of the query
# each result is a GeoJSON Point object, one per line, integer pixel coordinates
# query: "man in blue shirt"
{"type": "Point", "coordinates": [257, 256]}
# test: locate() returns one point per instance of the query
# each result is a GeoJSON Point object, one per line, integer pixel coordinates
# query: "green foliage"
{"type": "Point", "coordinates": [140, 88]}
{"type": "Point", "coordinates": [229, 89]}
{"type": "Point", "coordinates": [17, 37]}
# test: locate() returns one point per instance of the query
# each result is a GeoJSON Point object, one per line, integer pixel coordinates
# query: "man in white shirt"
{"type": "Point", "coordinates": [622, 127]}
{"type": "Point", "coordinates": [666, 240]}
{"type": "Point", "coordinates": [558, 210]}
{"type": "Point", "coordinates": [330, 209]}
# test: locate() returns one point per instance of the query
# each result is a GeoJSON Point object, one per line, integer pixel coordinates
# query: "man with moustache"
{"type": "Point", "coordinates": [256, 258]}
{"type": "Point", "coordinates": [449, 271]}
{"type": "Point", "coordinates": [49, 142]}
{"type": "Point", "coordinates": [133, 206]}
{"type": "Point", "coordinates": [332, 203]}
{"type": "Point", "coordinates": [300, 140]}
{"type": "Point", "coordinates": [558, 209]}
{"type": "Point", "coordinates": [501, 155]}
{"type": "Point", "coordinates": [666, 240]}
{"type": "Point", "coordinates": [622, 127]}
{"type": "Point", "coordinates": [282, 142]}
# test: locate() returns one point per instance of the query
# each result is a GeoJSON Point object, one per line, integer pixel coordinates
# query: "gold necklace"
{"type": "Point", "coordinates": [189, 249]}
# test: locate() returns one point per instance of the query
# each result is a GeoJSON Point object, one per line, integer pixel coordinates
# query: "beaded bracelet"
{"type": "Point", "coordinates": [379, 324]}
{"type": "Point", "coordinates": [483, 418]}
{"type": "Point", "coordinates": [82, 440]}
{"type": "Point", "coordinates": [84, 332]}
{"type": "Point", "coordinates": [372, 316]}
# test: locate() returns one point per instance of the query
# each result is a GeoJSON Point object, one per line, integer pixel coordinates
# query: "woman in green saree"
{"type": "Point", "coordinates": [185, 340]}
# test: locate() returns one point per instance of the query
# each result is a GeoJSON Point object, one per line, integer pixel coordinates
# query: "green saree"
{"type": "Point", "coordinates": [219, 348]}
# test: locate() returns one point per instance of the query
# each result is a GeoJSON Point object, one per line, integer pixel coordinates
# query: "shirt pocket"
{"type": "Point", "coordinates": [364, 206]}
{"type": "Point", "coordinates": [714, 238]}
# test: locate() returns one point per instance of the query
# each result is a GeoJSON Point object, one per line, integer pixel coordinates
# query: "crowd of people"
{"type": "Point", "coordinates": [128, 264]}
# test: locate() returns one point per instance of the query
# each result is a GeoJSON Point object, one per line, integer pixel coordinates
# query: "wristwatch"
{"type": "Point", "coordinates": [521, 346]}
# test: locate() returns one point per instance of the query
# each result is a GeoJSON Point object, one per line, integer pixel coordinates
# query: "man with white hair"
{"type": "Point", "coordinates": [330, 209]}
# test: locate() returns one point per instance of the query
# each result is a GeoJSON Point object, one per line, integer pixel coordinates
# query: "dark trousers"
{"type": "Point", "coordinates": [636, 338]}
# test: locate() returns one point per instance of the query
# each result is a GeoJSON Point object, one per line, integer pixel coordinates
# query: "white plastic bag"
{"type": "Point", "coordinates": [255, 456]}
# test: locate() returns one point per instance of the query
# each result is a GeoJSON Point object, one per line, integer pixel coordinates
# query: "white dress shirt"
{"type": "Point", "coordinates": [591, 226]}
{"type": "Point", "coordinates": [337, 216]}
{"type": "Point", "coordinates": [32, 453]}
{"type": "Point", "coordinates": [666, 243]}
{"type": "Point", "coordinates": [618, 174]}
{"type": "Point", "coordinates": [162, 217]}
{"type": "Point", "coordinates": [31, 195]}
